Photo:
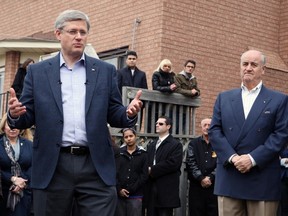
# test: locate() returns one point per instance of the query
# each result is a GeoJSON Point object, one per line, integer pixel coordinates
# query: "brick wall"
{"type": "Point", "coordinates": [283, 34]}
{"type": "Point", "coordinates": [214, 33]}
{"type": "Point", "coordinates": [11, 64]}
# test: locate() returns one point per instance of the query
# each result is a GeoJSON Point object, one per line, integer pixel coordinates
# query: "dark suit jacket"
{"type": "Point", "coordinates": [43, 101]}
{"type": "Point", "coordinates": [24, 160]}
{"type": "Point", "coordinates": [262, 135]}
{"type": "Point", "coordinates": [164, 180]}
{"type": "Point", "coordinates": [125, 78]}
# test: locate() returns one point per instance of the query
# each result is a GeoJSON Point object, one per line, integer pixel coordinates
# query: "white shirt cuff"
{"type": "Point", "coordinates": [252, 160]}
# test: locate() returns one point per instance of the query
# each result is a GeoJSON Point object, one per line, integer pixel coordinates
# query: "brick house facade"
{"type": "Point", "coordinates": [214, 33]}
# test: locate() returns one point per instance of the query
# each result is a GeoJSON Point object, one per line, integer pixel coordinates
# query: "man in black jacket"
{"type": "Point", "coordinates": [201, 164]}
{"type": "Point", "coordinates": [131, 75]}
{"type": "Point", "coordinates": [164, 163]}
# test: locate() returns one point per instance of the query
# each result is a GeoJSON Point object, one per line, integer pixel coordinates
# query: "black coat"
{"type": "Point", "coordinates": [200, 161]}
{"type": "Point", "coordinates": [132, 171]}
{"type": "Point", "coordinates": [125, 78]}
{"type": "Point", "coordinates": [161, 81]}
{"type": "Point", "coordinates": [163, 183]}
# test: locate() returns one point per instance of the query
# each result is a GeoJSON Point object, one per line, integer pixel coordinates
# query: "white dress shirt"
{"type": "Point", "coordinates": [73, 88]}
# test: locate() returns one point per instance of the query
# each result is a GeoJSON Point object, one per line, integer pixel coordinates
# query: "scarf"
{"type": "Point", "coordinates": [13, 198]}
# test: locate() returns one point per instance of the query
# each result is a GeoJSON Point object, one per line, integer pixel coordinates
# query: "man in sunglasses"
{"type": "Point", "coordinates": [164, 163]}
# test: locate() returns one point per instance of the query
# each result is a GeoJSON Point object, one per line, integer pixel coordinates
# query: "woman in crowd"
{"type": "Point", "coordinates": [15, 163]}
{"type": "Point", "coordinates": [20, 75]}
{"type": "Point", "coordinates": [163, 77]}
{"type": "Point", "coordinates": [163, 80]}
{"type": "Point", "coordinates": [132, 173]}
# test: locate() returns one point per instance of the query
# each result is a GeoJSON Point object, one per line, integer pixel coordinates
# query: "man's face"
{"type": "Point", "coordinates": [251, 68]}
{"type": "Point", "coordinates": [205, 124]}
{"type": "Point", "coordinates": [131, 61]}
{"type": "Point", "coordinates": [189, 68]}
{"type": "Point", "coordinates": [161, 126]}
{"type": "Point", "coordinates": [73, 38]}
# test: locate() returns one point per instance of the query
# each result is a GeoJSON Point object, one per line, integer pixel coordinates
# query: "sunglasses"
{"type": "Point", "coordinates": [160, 123]}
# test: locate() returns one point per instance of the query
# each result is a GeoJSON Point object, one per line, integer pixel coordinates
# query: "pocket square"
{"type": "Point", "coordinates": [267, 112]}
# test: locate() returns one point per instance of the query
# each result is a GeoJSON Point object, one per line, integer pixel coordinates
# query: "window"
{"type": "Point", "coordinates": [116, 57]}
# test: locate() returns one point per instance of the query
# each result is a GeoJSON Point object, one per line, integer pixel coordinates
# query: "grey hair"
{"type": "Point", "coordinates": [263, 57]}
{"type": "Point", "coordinates": [70, 15]}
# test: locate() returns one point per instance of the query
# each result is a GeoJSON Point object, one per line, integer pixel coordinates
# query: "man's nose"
{"type": "Point", "coordinates": [249, 67]}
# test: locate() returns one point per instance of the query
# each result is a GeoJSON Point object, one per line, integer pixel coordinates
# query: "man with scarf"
{"type": "Point", "coordinates": [186, 82]}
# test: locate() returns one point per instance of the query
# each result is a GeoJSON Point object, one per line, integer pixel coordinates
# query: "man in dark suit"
{"type": "Point", "coordinates": [164, 161]}
{"type": "Point", "coordinates": [70, 98]}
{"type": "Point", "coordinates": [131, 75]}
{"type": "Point", "coordinates": [248, 130]}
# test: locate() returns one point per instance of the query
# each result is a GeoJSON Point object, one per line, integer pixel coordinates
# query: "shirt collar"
{"type": "Point", "coordinates": [62, 61]}
{"type": "Point", "coordinates": [258, 87]}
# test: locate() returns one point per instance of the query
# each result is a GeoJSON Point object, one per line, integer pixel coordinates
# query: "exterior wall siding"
{"type": "Point", "coordinates": [214, 33]}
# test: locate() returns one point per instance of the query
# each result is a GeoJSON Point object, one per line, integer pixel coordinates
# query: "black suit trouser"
{"type": "Point", "coordinates": [75, 181]}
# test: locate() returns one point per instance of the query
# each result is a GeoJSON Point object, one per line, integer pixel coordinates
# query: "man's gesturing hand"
{"type": "Point", "coordinates": [135, 105]}
{"type": "Point", "coordinates": [15, 107]}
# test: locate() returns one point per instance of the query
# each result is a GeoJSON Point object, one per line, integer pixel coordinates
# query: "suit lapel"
{"type": "Point", "coordinates": [92, 72]}
{"type": "Point", "coordinates": [52, 70]}
{"type": "Point", "coordinates": [259, 105]}
{"type": "Point", "coordinates": [237, 106]}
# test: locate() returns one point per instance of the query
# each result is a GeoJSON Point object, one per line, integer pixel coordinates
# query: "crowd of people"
{"type": "Point", "coordinates": [74, 168]}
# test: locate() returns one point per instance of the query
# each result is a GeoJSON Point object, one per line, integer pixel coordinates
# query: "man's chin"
{"type": "Point", "coordinates": [78, 52]}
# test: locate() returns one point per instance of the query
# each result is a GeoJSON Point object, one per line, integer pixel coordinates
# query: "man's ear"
{"type": "Point", "coordinates": [263, 69]}
{"type": "Point", "coordinates": [57, 33]}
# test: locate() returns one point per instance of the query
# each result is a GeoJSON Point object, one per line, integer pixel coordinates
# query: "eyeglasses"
{"type": "Point", "coordinates": [74, 32]}
{"type": "Point", "coordinates": [190, 66]}
{"type": "Point", "coordinates": [160, 123]}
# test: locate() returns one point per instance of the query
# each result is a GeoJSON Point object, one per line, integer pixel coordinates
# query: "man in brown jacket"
{"type": "Point", "coordinates": [186, 82]}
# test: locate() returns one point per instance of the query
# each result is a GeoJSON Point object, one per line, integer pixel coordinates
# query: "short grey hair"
{"type": "Point", "coordinates": [70, 15]}
{"type": "Point", "coordinates": [263, 57]}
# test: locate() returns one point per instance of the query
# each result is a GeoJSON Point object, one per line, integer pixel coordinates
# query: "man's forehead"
{"type": "Point", "coordinates": [131, 57]}
{"type": "Point", "coordinates": [251, 57]}
{"type": "Point", "coordinates": [206, 121]}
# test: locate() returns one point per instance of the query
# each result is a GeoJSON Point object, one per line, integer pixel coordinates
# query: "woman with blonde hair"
{"type": "Point", "coordinates": [163, 77]}
{"type": "Point", "coordinates": [15, 163]}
